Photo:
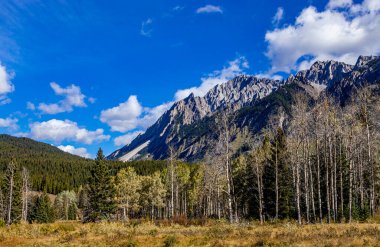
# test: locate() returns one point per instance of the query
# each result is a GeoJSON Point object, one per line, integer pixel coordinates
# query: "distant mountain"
{"type": "Point", "coordinates": [49, 167]}
{"type": "Point", "coordinates": [189, 125]}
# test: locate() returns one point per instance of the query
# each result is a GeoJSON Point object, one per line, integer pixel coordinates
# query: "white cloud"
{"type": "Point", "coordinates": [73, 97]}
{"type": "Point", "coordinates": [209, 9]}
{"type": "Point", "coordinates": [333, 4]}
{"type": "Point", "coordinates": [178, 8]}
{"type": "Point", "coordinates": [278, 16]}
{"type": "Point", "coordinates": [233, 69]}
{"type": "Point", "coordinates": [131, 114]}
{"type": "Point", "coordinates": [65, 130]}
{"type": "Point", "coordinates": [6, 85]}
{"type": "Point", "coordinates": [335, 33]}
{"type": "Point", "coordinates": [124, 116]}
{"type": "Point", "coordinates": [30, 106]}
{"type": "Point", "coordinates": [76, 151]}
{"type": "Point", "coordinates": [146, 29]}
{"type": "Point", "coordinates": [9, 123]}
{"type": "Point", "coordinates": [126, 139]}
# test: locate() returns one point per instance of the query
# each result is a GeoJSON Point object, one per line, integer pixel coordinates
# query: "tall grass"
{"type": "Point", "coordinates": [209, 233]}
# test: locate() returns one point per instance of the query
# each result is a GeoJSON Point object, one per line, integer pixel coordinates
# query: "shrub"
{"type": "Point", "coordinates": [66, 228]}
{"type": "Point", "coordinates": [153, 232]}
{"type": "Point", "coordinates": [170, 241]}
{"type": "Point", "coordinates": [130, 243]}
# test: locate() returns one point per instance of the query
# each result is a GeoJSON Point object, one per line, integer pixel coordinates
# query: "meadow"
{"type": "Point", "coordinates": [210, 233]}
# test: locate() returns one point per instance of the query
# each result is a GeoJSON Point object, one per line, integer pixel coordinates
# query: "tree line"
{"type": "Point", "coordinates": [319, 165]}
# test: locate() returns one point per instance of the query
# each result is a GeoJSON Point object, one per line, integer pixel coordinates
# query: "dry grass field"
{"type": "Point", "coordinates": [209, 234]}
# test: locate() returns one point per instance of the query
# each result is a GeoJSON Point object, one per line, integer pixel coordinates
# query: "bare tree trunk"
{"type": "Point", "coordinates": [319, 181]}
{"type": "Point", "coordinates": [229, 197]}
{"type": "Point", "coordinates": [276, 178]}
{"type": "Point", "coordinates": [311, 180]}
{"type": "Point", "coordinates": [327, 183]}
{"type": "Point", "coordinates": [218, 200]}
{"type": "Point", "coordinates": [350, 180]}
{"type": "Point", "coordinates": [341, 181]}
{"type": "Point", "coordinates": [171, 205]}
{"type": "Point", "coordinates": [260, 189]}
{"type": "Point", "coordinates": [227, 168]}
{"type": "Point", "coordinates": [11, 170]}
{"type": "Point", "coordinates": [298, 192]}
{"type": "Point", "coordinates": [306, 184]}
{"type": "Point", "coordinates": [25, 194]}
{"type": "Point", "coordinates": [331, 178]}
{"type": "Point", "coordinates": [371, 167]}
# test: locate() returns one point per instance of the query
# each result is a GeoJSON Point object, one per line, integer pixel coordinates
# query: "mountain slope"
{"type": "Point", "coordinates": [190, 124]}
{"type": "Point", "coordinates": [21, 147]}
{"type": "Point", "coordinates": [48, 166]}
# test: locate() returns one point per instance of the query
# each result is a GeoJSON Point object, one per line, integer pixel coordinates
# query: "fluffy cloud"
{"type": "Point", "coordinates": [124, 116]}
{"type": "Point", "coordinates": [233, 69]}
{"type": "Point", "coordinates": [65, 130]}
{"type": "Point", "coordinates": [343, 31]}
{"type": "Point", "coordinates": [127, 138]}
{"type": "Point", "coordinates": [9, 123]}
{"type": "Point", "coordinates": [209, 9]}
{"type": "Point", "coordinates": [131, 114]}
{"type": "Point", "coordinates": [6, 85]}
{"type": "Point", "coordinates": [76, 151]}
{"type": "Point", "coordinates": [339, 4]}
{"type": "Point", "coordinates": [146, 29]}
{"type": "Point", "coordinates": [73, 97]}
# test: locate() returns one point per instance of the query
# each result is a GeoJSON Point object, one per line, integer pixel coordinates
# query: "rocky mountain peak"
{"type": "Point", "coordinates": [363, 60]}
{"type": "Point", "coordinates": [324, 73]}
{"type": "Point", "coordinates": [189, 115]}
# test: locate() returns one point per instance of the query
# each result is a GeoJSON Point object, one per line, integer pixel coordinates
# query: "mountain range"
{"type": "Point", "coordinates": [189, 125]}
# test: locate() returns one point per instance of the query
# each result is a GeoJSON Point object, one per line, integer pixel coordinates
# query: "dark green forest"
{"type": "Point", "coordinates": [52, 170]}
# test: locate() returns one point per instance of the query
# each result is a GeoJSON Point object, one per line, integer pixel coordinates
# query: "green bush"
{"type": "Point", "coordinates": [170, 241]}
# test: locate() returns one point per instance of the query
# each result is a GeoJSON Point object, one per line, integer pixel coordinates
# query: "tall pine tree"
{"type": "Point", "coordinates": [278, 190]}
{"type": "Point", "coordinates": [280, 158]}
{"type": "Point", "coordinates": [101, 192]}
{"type": "Point", "coordinates": [42, 210]}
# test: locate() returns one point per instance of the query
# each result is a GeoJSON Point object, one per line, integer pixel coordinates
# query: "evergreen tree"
{"type": "Point", "coordinates": [42, 210]}
{"type": "Point", "coordinates": [278, 190]}
{"type": "Point", "coordinates": [269, 185]}
{"type": "Point", "coordinates": [101, 192]}
{"type": "Point", "coordinates": [72, 214]}
{"type": "Point", "coordinates": [285, 189]}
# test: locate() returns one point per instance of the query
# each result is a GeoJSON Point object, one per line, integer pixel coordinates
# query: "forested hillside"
{"type": "Point", "coordinates": [54, 170]}
{"type": "Point", "coordinates": [49, 167]}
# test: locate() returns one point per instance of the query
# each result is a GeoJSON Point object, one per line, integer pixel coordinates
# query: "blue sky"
{"type": "Point", "coordinates": [87, 74]}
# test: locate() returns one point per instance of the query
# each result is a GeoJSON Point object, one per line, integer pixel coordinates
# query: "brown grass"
{"type": "Point", "coordinates": [212, 233]}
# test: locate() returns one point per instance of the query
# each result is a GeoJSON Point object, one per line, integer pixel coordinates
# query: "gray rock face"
{"type": "Point", "coordinates": [336, 77]}
{"type": "Point", "coordinates": [324, 73]}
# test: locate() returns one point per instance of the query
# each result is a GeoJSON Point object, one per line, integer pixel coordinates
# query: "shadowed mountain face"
{"type": "Point", "coordinates": [190, 125]}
